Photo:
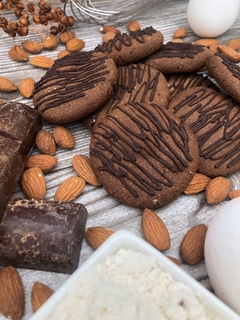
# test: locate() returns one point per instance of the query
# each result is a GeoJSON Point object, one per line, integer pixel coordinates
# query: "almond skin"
{"type": "Point", "coordinates": [26, 87]}
{"type": "Point", "coordinates": [230, 53]}
{"type": "Point", "coordinates": [63, 53]}
{"type": "Point", "coordinates": [133, 25]}
{"type": "Point", "coordinates": [69, 189]}
{"type": "Point", "coordinates": [206, 42]}
{"type": "Point", "coordinates": [198, 183]}
{"type": "Point", "coordinates": [155, 231]}
{"type": "Point", "coordinates": [33, 183]}
{"type": "Point", "coordinates": [42, 62]}
{"type": "Point", "coordinates": [82, 167]}
{"type": "Point", "coordinates": [45, 142]}
{"type": "Point", "coordinates": [39, 295]}
{"type": "Point", "coordinates": [180, 33]}
{"type": "Point", "coordinates": [97, 235]}
{"type": "Point", "coordinates": [43, 161]}
{"type": "Point", "coordinates": [192, 245]}
{"type": "Point", "coordinates": [65, 36]}
{"type": "Point", "coordinates": [234, 194]}
{"type": "Point", "coordinates": [234, 44]}
{"type": "Point", "coordinates": [32, 46]}
{"type": "Point", "coordinates": [11, 294]}
{"type": "Point", "coordinates": [112, 29]}
{"type": "Point", "coordinates": [63, 137]}
{"type": "Point", "coordinates": [7, 85]}
{"type": "Point", "coordinates": [108, 36]}
{"type": "Point", "coordinates": [217, 190]}
{"type": "Point", "coordinates": [175, 260]}
{"type": "Point", "coordinates": [50, 42]}
{"type": "Point", "coordinates": [75, 44]}
{"type": "Point", "coordinates": [18, 54]}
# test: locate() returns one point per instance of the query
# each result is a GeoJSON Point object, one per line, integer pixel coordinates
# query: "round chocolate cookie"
{"type": "Point", "coordinates": [143, 155]}
{"type": "Point", "coordinates": [215, 120]}
{"type": "Point", "coordinates": [179, 57]}
{"type": "Point", "coordinates": [178, 82]}
{"type": "Point", "coordinates": [131, 47]}
{"type": "Point", "coordinates": [136, 83]}
{"type": "Point", "coordinates": [76, 86]}
{"type": "Point", "coordinates": [226, 73]}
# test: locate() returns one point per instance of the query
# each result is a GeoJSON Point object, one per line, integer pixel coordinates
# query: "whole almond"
{"type": "Point", "coordinates": [192, 245]}
{"type": "Point", "coordinates": [11, 294]}
{"type": "Point", "coordinates": [33, 183]}
{"type": "Point", "coordinates": [7, 85]}
{"type": "Point", "coordinates": [82, 166]}
{"type": "Point", "coordinates": [234, 194]}
{"type": "Point", "coordinates": [206, 42]}
{"type": "Point", "coordinates": [97, 235]}
{"type": "Point", "coordinates": [230, 53]}
{"type": "Point", "coordinates": [33, 47]}
{"type": "Point", "coordinates": [65, 36]}
{"type": "Point", "coordinates": [217, 190]}
{"type": "Point", "coordinates": [42, 62]}
{"type": "Point", "coordinates": [234, 44]}
{"type": "Point", "coordinates": [108, 36]}
{"type": "Point", "coordinates": [45, 142]}
{"type": "Point", "coordinates": [50, 42]}
{"type": "Point", "coordinates": [180, 33]}
{"type": "Point", "coordinates": [213, 48]}
{"type": "Point", "coordinates": [112, 29]}
{"type": "Point", "coordinates": [198, 183]}
{"type": "Point", "coordinates": [75, 44]}
{"type": "Point", "coordinates": [43, 161]}
{"type": "Point", "coordinates": [39, 295]}
{"type": "Point", "coordinates": [133, 25]}
{"type": "Point", "coordinates": [18, 54]}
{"type": "Point", "coordinates": [63, 137]}
{"type": "Point", "coordinates": [26, 87]}
{"type": "Point", "coordinates": [69, 189]}
{"type": "Point", "coordinates": [63, 53]}
{"type": "Point", "coordinates": [155, 231]}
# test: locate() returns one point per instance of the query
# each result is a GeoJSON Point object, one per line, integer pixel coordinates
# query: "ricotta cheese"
{"type": "Point", "coordinates": [129, 285]}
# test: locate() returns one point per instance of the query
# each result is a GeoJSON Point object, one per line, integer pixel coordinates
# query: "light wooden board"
{"type": "Point", "coordinates": [103, 210]}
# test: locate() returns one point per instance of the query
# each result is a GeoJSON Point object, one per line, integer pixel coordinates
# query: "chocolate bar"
{"type": "Point", "coordinates": [42, 235]}
{"type": "Point", "coordinates": [19, 125]}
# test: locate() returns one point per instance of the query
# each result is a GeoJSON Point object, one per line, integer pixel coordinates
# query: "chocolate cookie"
{"type": "Point", "coordinates": [226, 73]}
{"type": "Point", "coordinates": [179, 57]}
{"type": "Point", "coordinates": [136, 83]}
{"type": "Point", "coordinates": [76, 86]}
{"type": "Point", "coordinates": [178, 82]}
{"type": "Point", "coordinates": [131, 47]}
{"type": "Point", "coordinates": [143, 155]}
{"type": "Point", "coordinates": [215, 120]}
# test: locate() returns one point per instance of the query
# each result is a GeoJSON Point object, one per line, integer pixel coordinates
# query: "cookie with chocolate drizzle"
{"type": "Point", "coordinates": [131, 47]}
{"type": "Point", "coordinates": [143, 155]}
{"type": "Point", "coordinates": [74, 87]}
{"type": "Point", "coordinates": [136, 82]}
{"type": "Point", "coordinates": [179, 57]}
{"type": "Point", "coordinates": [226, 73]}
{"type": "Point", "coordinates": [215, 120]}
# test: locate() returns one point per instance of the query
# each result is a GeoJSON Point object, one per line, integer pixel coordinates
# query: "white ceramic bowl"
{"type": "Point", "coordinates": [127, 240]}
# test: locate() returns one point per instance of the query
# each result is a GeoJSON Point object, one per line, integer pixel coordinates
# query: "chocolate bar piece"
{"type": "Point", "coordinates": [19, 125]}
{"type": "Point", "coordinates": [42, 235]}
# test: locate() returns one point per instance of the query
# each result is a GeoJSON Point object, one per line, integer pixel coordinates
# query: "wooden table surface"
{"type": "Point", "coordinates": [179, 215]}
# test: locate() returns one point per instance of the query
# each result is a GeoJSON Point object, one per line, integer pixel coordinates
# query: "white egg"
{"type": "Point", "coordinates": [222, 253]}
{"type": "Point", "coordinates": [211, 18]}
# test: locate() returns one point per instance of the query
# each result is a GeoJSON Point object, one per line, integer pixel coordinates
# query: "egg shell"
{"type": "Point", "coordinates": [222, 253]}
{"type": "Point", "coordinates": [211, 18]}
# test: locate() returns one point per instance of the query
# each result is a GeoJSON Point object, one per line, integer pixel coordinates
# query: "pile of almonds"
{"type": "Point", "coordinates": [33, 181]}
{"type": "Point", "coordinates": [12, 295]}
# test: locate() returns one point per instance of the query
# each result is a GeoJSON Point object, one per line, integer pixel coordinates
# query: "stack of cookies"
{"type": "Point", "coordinates": [156, 120]}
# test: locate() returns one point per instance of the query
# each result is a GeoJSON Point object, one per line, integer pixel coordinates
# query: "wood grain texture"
{"type": "Point", "coordinates": [179, 216]}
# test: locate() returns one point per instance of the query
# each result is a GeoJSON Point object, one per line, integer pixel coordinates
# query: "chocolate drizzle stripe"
{"type": "Point", "coordinates": [232, 66]}
{"type": "Point", "coordinates": [124, 39]}
{"type": "Point", "coordinates": [68, 80]}
{"type": "Point", "coordinates": [176, 50]}
{"type": "Point", "coordinates": [221, 116]}
{"type": "Point", "coordinates": [140, 134]}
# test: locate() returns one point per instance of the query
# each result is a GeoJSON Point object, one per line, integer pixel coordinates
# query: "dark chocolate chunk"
{"type": "Point", "coordinates": [19, 125]}
{"type": "Point", "coordinates": [42, 235]}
